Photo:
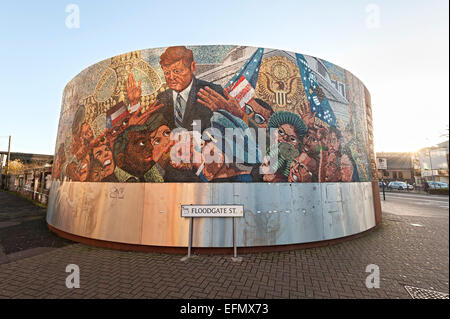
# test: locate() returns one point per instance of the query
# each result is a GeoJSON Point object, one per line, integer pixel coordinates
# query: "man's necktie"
{"type": "Point", "coordinates": [178, 114]}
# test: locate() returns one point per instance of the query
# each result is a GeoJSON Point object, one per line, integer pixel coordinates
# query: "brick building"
{"type": "Point", "coordinates": [432, 163]}
{"type": "Point", "coordinates": [398, 166]}
{"type": "Point", "coordinates": [35, 179]}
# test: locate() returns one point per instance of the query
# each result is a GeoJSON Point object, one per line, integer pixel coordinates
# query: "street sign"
{"type": "Point", "coordinates": [212, 210]}
{"type": "Point", "coordinates": [193, 211]}
{"type": "Point", "coordinates": [382, 163]}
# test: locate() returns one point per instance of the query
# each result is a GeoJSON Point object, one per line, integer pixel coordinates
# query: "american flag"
{"type": "Point", "coordinates": [311, 85]}
{"type": "Point", "coordinates": [242, 84]}
{"type": "Point", "coordinates": [116, 114]}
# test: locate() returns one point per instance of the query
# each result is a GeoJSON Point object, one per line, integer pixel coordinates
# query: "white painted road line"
{"type": "Point", "coordinates": [416, 198]}
{"type": "Point", "coordinates": [416, 195]}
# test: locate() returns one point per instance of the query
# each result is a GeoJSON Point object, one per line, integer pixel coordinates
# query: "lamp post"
{"type": "Point", "coordinates": [431, 165]}
{"type": "Point", "coordinates": [7, 162]}
{"type": "Point", "coordinates": [429, 156]}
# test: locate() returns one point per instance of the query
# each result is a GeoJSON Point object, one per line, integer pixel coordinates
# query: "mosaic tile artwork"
{"type": "Point", "coordinates": [120, 119]}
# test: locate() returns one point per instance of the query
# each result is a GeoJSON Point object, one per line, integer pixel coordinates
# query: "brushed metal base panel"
{"type": "Point", "coordinates": [347, 209]}
{"type": "Point", "coordinates": [104, 211]}
{"type": "Point", "coordinates": [150, 213]}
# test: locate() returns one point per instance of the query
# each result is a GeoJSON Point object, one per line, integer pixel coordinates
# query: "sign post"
{"type": "Point", "coordinates": [191, 226]}
{"type": "Point", "coordinates": [235, 257]}
{"type": "Point", "coordinates": [382, 165]}
{"type": "Point", "coordinates": [196, 211]}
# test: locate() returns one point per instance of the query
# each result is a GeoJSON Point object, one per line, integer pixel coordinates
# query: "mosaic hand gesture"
{"type": "Point", "coordinates": [139, 117]}
{"type": "Point", "coordinates": [307, 115]}
{"type": "Point", "coordinates": [214, 101]}
{"type": "Point", "coordinates": [134, 89]}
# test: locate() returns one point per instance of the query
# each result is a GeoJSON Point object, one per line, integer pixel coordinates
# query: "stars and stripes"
{"type": "Point", "coordinates": [311, 85]}
{"type": "Point", "coordinates": [116, 114]}
{"type": "Point", "coordinates": [243, 91]}
{"type": "Point", "coordinates": [242, 84]}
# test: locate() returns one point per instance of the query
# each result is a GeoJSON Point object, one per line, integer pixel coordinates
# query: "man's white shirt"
{"type": "Point", "coordinates": [185, 95]}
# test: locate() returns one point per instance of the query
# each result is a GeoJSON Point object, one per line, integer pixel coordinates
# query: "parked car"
{"type": "Point", "coordinates": [397, 185]}
{"type": "Point", "coordinates": [438, 185]}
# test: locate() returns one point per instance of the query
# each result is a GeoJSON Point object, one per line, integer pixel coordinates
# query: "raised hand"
{"type": "Point", "coordinates": [139, 118]}
{"type": "Point", "coordinates": [154, 106]}
{"type": "Point", "coordinates": [234, 106]}
{"type": "Point", "coordinates": [134, 89]}
{"type": "Point", "coordinates": [214, 101]}
{"type": "Point", "coordinates": [307, 115]}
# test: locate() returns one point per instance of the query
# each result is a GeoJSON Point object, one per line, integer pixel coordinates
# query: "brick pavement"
{"type": "Point", "coordinates": [406, 255]}
{"type": "Point", "coordinates": [23, 228]}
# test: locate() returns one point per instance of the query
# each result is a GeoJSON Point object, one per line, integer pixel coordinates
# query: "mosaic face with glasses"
{"type": "Point", "coordinates": [303, 169]}
{"type": "Point", "coordinates": [288, 134]}
{"type": "Point", "coordinates": [257, 113]}
{"type": "Point", "coordinates": [290, 128]}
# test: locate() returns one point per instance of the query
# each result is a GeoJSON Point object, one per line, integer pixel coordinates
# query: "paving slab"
{"type": "Point", "coordinates": [405, 254]}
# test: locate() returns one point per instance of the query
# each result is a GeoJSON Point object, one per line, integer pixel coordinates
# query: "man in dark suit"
{"type": "Point", "coordinates": [180, 102]}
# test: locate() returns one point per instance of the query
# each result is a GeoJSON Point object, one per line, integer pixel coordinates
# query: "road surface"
{"type": "Point", "coordinates": [411, 204]}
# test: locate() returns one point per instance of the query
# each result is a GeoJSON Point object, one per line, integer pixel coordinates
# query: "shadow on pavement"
{"type": "Point", "coordinates": [23, 228]}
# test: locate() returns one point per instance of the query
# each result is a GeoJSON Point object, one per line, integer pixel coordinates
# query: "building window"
{"type": "Point", "coordinates": [322, 70]}
{"type": "Point", "coordinates": [394, 175]}
{"type": "Point", "coordinates": [335, 84]}
{"type": "Point", "coordinates": [340, 87]}
{"type": "Point", "coordinates": [400, 174]}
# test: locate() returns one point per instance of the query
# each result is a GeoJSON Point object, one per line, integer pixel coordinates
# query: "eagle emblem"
{"type": "Point", "coordinates": [280, 83]}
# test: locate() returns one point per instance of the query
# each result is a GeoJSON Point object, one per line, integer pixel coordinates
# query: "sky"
{"type": "Point", "coordinates": [399, 49]}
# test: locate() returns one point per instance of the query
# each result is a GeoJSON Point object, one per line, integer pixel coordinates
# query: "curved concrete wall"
{"type": "Point", "coordinates": [121, 172]}
{"type": "Point", "coordinates": [274, 214]}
